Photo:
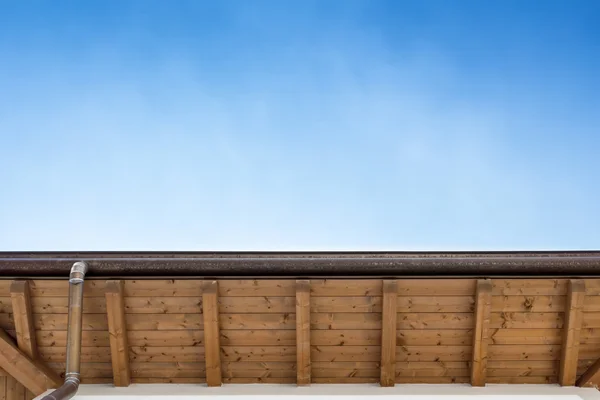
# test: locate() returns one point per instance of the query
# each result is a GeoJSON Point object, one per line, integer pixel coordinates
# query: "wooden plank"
{"type": "Point", "coordinates": [303, 308]}
{"type": "Point", "coordinates": [526, 336]}
{"type": "Point", "coordinates": [257, 287]}
{"type": "Point", "coordinates": [261, 305]}
{"type": "Point", "coordinates": [345, 353]}
{"type": "Point", "coordinates": [267, 380]}
{"type": "Point", "coordinates": [273, 373]}
{"type": "Point", "coordinates": [591, 303]}
{"type": "Point", "coordinates": [7, 322]}
{"type": "Point", "coordinates": [60, 288]}
{"type": "Point", "coordinates": [444, 304]}
{"type": "Point", "coordinates": [30, 373]}
{"type": "Point", "coordinates": [345, 304]}
{"type": "Point", "coordinates": [516, 380]}
{"type": "Point", "coordinates": [432, 380]}
{"type": "Point", "coordinates": [524, 364]}
{"type": "Point", "coordinates": [388, 334]}
{"type": "Point", "coordinates": [529, 287]}
{"type": "Point", "coordinates": [522, 371]}
{"type": "Point", "coordinates": [533, 352]}
{"type": "Point", "coordinates": [266, 337]}
{"type": "Point", "coordinates": [351, 379]}
{"type": "Point", "coordinates": [59, 338]}
{"type": "Point", "coordinates": [433, 353]}
{"type": "Point", "coordinates": [160, 322]}
{"type": "Point", "coordinates": [346, 337]}
{"type": "Point", "coordinates": [512, 320]}
{"type": "Point", "coordinates": [483, 305]}
{"type": "Point", "coordinates": [25, 332]}
{"type": "Point", "coordinates": [333, 321]}
{"type": "Point", "coordinates": [436, 287]}
{"type": "Point", "coordinates": [5, 288]}
{"type": "Point", "coordinates": [2, 385]}
{"type": "Point", "coordinates": [169, 370]}
{"type": "Point", "coordinates": [117, 328]}
{"type": "Point", "coordinates": [345, 287]}
{"type": "Point", "coordinates": [210, 307]}
{"type": "Point", "coordinates": [60, 305]}
{"type": "Point", "coordinates": [346, 373]}
{"type": "Point", "coordinates": [14, 390]}
{"type": "Point", "coordinates": [88, 354]}
{"type": "Point", "coordinates": [166, 354]}
{"type": "Point", "coordinates": [5, 305]}
{"type": "Point", "coordinates": [592, 287]}
{"type": "Point", "coordinates": [258, 366]}
{"type": "Point", "coordinates": [591, 320]}
{"type": "Point", "coordinates": [528, 303]}
{"type": "Point", "coordinates": [60, 322]}
{"type": "Point", "coordinates": [255, 354]}
{"type": "Point", "coordinates": [435, 321]}
{"type": "Point", "coordinates": [432, 337]}
{"type": "Point", "coordinates": [573, 323]}
{"type": "Point", "coordinates": [257, 321]}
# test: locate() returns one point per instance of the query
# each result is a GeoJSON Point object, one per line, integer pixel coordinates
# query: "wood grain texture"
{"type": "Point", "coordinates": [117, 329]}
{"type": "Point", "coordinates": [573, 322]}
{"type": "Point", "coordinates": [388, 334]}
{"type": "Point", "coordinates": [25, 332]}
{"type": "Point", "coordinates": [303, 309]}
{"type": "Point", "coordinates": [32, 374]}
{"type": "Point", "coordinates": [483, 305]}
{"type": "Point", "coordinates": [210, 306]}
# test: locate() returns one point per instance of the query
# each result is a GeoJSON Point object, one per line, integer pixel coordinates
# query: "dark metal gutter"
{"type": "Point", "coordinates": [300, 264]}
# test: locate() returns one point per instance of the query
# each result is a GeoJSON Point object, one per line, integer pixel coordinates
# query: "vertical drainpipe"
{"type": "Point", "coordinates": [69, 388]}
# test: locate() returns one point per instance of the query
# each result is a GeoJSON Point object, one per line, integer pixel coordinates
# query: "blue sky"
{"type": "Point", "coordinates": [299, 125]}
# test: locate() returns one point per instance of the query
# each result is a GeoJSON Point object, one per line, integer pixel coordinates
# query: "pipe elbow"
{"type": "Point", "coordinates": [78, 271]}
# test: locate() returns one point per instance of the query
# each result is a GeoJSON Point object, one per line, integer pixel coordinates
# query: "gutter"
{"type": "Point", "coordinates": [71, 384]}
{"type": "Point", "coordinates": [304, 264]}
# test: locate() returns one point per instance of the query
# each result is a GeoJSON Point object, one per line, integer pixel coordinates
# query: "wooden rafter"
{"type": "Point", "coordinates": [483, 305]}
{"type": "Point", "coordinates": [117, 329]}
{"type": "Point", "coordinates": [388, 333]}
{"type": "Point", "coordinates": [572, 328]}
{"type": "Point", "coordinates": [303, 363]}
{"type": "Point", "coordinates": [25, 331]}
{"type": "Point", "coordinates": [32, 374]}
{"type": "Point", "coordinates": [212, 348]}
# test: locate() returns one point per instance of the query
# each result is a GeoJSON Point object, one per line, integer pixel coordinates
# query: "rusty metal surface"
{"type": "Point", "coordinates": [302, 264]}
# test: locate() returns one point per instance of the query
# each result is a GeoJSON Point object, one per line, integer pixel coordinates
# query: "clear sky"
{"type": "Point", "coordinates": [299, 125]}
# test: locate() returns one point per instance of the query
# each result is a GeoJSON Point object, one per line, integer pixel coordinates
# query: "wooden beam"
{"type": "Point", "coordinates": [117, 329]}
{"type": "Point", "coordinates": [483, 306]}
{"type": "Point", "coordinates": [591, 377]}
{"type": "Point", "coordinates": [2, 385]}
{"type": "Point", "coordinates": [22, 312]}
{"type": "Point", "coordinates": [212, 347]}
{"type": "Point", "coordinates": [572, 327]}
{"type": "Point", "coordinates": [388, 333]}
{"type": "Point", "coordinates": [14, 390]}
{"type": "Point", "coordinates": [303, 363]}
{"type": "Point", "coordinates": [32, 374]}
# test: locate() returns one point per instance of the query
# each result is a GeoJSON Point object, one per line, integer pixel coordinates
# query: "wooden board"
{"type": "Point", "coordinates": [434, 304]}
{"type": "Point", "coordinates": [345, 321]}
{"type": "Point", "coordinates": [210, 307]}
{"type": "Point", "coordinates": [531, 353]}
{"type": "Point", "coordinates": [345, 287]}
{"type": "Point", "coordinates": [303, 309]}
{"type": "Point", "coordinates": [529, 287]}
{"type": "Point", "coordinates": [261, 337]}
{"type": "Point", "coordinates": [435, 321]}
{"type": "Point", "coordinates": [433, 337]}
{"type": "Point", "coordinates": [257, 321]}
{"type": "Point", "coordinates": [436, 287]}
{"type": "Point", "coordinates": [119, 346]}
{"type": "Point", "coordinates": [528, 303]}
{"type": "Point", "coordinates": [510, 320]}
{"type": "Point", "coordinates": [261, 288]}
{"type": "Point", "coordinates": [526, 336]}
{"type": "Point", "coordinates": [388, 333]}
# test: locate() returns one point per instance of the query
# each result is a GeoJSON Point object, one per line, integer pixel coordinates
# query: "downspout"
{"type": "Point", "coordinates": [69, 388]}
